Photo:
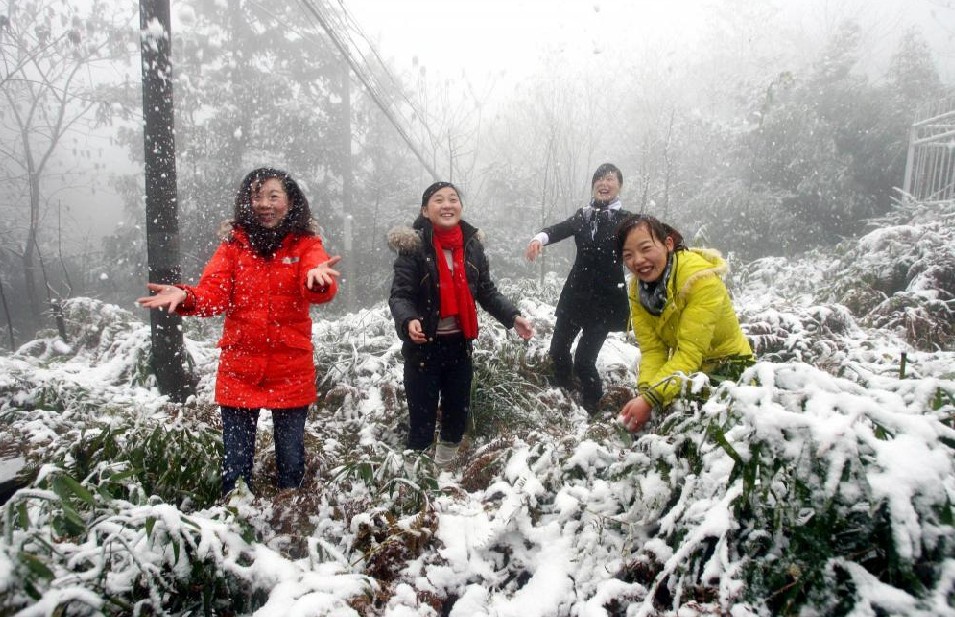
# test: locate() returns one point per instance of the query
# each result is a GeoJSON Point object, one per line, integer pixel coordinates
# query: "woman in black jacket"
{"type": "Point", "coordinates": [440, 271]}
{"type": "Point", "coordinates": [593, 302]}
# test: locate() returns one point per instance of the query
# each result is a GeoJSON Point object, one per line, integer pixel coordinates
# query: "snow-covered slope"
{"type": "Point", "coordinates": [821, 483]}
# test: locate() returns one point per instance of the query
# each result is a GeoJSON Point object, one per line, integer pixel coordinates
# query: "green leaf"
{"type": "Point", "coordinates": [74, 524]}
{"type": "Point", "coordinates": [720, 438]}
{"type": "Point", "coordinates": [59, 487]}
{"type": "Point", "coordinates": [129, 472]}
{"type": "Point", "coordinates": [35, 566]}
{"type": "Point", "coordinates": [79, 490]}
{"type": "Point", "coordinates": [945, 516]}
{"type": "Point", "coordinates": [31, 590]}
{"type": "Point", "coordinates": [23, 517]}
{"type": "Point", "coordinates": [366, 472]}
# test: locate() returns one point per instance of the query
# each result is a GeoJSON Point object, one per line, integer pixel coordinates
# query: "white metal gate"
{"type": "Point", "coordinates": [930, 165]}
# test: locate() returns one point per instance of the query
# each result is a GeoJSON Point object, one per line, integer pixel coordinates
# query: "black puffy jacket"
{"type": "Point", "coordinates": [414, 290]}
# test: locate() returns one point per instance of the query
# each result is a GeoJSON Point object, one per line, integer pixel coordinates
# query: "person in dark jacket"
{"type": "Point", "coordinates": [440, 271]}
{"type": "Point", "coordinates": [269, 268]}
{"type": "Point", "coordinates": [593, 302]}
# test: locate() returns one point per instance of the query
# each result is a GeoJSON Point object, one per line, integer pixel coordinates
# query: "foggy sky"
{"type": "Point", "coordinates": [497, 44]}
{"type": "Point", "coordinates": [504, 41]}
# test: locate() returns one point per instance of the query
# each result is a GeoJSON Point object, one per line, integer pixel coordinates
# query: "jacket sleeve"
{"type": "Point", "coordinates": [313, 255]}
{"type": "Point", "coordinates": [697, 322]}
{"type": "Point", "coordinates": [404, 291]}
{"type": "Point", "coordinates": [490, 297]}
{"type": "Point", "coordinates": [213, 294]}
{"type": "Point", "coordinates": [564, 229]}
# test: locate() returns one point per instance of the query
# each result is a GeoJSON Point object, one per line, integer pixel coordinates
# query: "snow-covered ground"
{"type": "Point", "coordinates": [9, 468]}
{"type": "Point", "coordinates": [821, 483]}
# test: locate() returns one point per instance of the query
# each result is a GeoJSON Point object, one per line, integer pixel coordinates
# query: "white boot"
{"type": "Point", "coordinates": [444, 453]}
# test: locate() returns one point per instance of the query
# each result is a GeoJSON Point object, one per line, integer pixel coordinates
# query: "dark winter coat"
{"type": "Point", "coordinates": [414, 290]}
{"type": "Point", "coordinates": [266, 343]}
{"type": "Point", "coordinates": [595, 290]}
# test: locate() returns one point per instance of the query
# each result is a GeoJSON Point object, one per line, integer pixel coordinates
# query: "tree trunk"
{"type": "Point", "coordinates": [29, 265]}
{"type": "Point", "coordinates": [6, 311]}
{"type": "Point", "coordinates": [162, 211]}
{"type": "Point", "coordinates": [348, 274]}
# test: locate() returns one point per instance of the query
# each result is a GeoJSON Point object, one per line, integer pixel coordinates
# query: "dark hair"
{"type": "Point", "coordinates": [434, 188]}
{"type": "Point", "coordinates": [659, 231]}
{"type": "Point", "coordinates": [603, 170]}
{"type": "Point", "coordinates": [299, 218]}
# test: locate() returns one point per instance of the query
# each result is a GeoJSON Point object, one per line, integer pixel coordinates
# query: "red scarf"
{"type": "Point", "coordinates": [456, 296]}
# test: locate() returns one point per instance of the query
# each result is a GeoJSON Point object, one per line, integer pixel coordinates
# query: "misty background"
{"type": "Point", "coordinates": [758, 128]}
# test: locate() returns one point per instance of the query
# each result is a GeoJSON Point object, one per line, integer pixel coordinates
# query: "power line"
{"type": "Point", "coordinates": [366, 82]}
{"type": "Point", "coordinates": [351, 26]}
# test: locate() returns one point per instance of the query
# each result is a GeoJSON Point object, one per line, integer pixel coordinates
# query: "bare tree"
{"type": "Point", "coordinates": [50, 53]}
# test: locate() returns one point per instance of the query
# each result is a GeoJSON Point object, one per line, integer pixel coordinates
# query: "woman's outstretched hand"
{"type": "Point", "coordinates": [524, 327]}
{"type": "Point", "coordinates": [323, 274]}
{"type": "Point", "coordinates": [533, 250]}
{"type": "Point", "coordinates": [167, 297]}
{"type": "Point", "coordinates": [635, 414]}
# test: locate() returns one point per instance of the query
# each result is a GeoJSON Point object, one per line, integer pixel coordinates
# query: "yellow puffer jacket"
{"type": "Point", "coordinates": [696, 331]}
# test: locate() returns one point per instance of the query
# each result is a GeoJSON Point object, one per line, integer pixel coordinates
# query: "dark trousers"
{"type": "Point", "coordinates": [438, 372]}
{"type": "Point", "coordinates": [592, 337]}
{"type": "Point", "coordinates": [238, 439]}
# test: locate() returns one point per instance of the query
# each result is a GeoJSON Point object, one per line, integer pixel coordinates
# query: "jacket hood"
{"type": "Point", "coordinates": [404, 239]}
{"type": "Point", "coordinates": [695, 263]}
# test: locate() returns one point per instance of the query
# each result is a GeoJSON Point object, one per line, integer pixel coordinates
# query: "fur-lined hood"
{"type": "Point", "coordinates": [711, 263]}
{"type": "Point", "coordinates": [406, 240]}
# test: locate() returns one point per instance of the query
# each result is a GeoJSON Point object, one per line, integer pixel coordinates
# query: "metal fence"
{"type": "Point", "coordinates": [930, 165]}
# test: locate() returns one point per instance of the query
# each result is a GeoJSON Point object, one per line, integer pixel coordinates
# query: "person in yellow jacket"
{"type": "Point", "coordinates": [680, 312]}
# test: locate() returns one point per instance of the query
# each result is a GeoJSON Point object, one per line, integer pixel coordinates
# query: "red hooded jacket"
{"type": "Point", "coordinates": [266, 358]}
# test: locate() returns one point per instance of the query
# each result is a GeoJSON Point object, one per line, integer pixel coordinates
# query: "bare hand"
{"type": "Point", "coordinates": [415, 333]}
{"type": "Point", "coordinates": [524, 327]}
{"type": "Point", "coordinates": [166, 297]}
{"type": "Point", "coordinates": [635, 414]}
{"type": "Point", "coordinates": [533, 250]}
{"type": "Point", "coordinates": [323, 274]}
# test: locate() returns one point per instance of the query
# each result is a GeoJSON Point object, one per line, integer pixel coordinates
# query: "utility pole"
{"type": "Point", "coordinates": [162, 208]}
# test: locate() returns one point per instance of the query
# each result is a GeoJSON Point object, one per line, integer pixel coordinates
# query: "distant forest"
{"type": "Point", "coordinates": [754, 147]}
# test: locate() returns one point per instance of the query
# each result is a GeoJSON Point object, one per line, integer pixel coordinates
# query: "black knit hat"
{"type": "Point", "coordinates": [434, 188]}
{"type": "Point", "coordinates": [603, 170]}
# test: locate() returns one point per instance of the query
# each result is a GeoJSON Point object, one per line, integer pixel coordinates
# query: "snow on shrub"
{"type": "Point", "coordinates": [821, 482]}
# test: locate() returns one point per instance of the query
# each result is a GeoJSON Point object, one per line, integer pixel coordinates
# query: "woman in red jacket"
{"type": "Point", "coordinates": [268, 269]}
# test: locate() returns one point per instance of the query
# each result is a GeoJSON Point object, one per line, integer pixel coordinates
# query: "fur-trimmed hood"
{"type": "Point", "coordinates": [405, 239]}
{"type": "Point", "coordinates": [710, 264]}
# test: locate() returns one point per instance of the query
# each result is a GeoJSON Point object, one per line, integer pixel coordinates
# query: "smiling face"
{"type": "Point", "coordinates": [443, 209]}
{"type": "Point", "coordinates": [644, 255]}
{"type": "Point", "coordinates": [270, 203]}
{"type": "Point", "coordinates": [606, 188]}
